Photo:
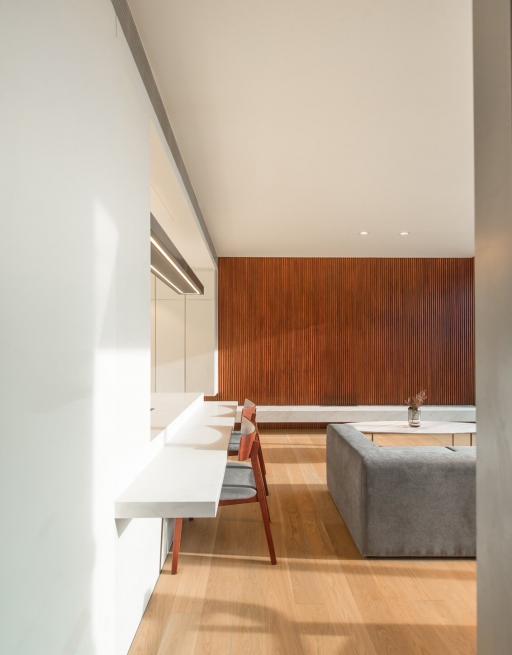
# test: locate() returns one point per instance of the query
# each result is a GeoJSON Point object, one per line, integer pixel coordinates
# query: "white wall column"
{"type": "Point", "coordinates": [493, 162]}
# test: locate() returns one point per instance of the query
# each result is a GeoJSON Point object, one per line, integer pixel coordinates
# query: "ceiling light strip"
{"type": "Point", "coordinates": [173, 263]}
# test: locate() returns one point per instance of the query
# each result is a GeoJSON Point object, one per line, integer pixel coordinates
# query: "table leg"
{"type": "Point", "coordinates": [471, 439]}
{"type": "Point", "coordinates": [178, 527]}
{"type": "Point", "coordinates": [372, 436]}
{"type": "Point", "coordinates": [453, 440]}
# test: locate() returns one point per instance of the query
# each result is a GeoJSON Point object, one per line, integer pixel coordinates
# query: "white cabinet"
{"type": "Point", "coordinates": [184, 338]}
{"type": "Point", "coordinates": [201, 336]}
{"type": "Point", "coordinates": [164, 292]}
{"type": "Point", "coordinates": [170, 345]}
{"type": "Point", "coordinates": [200, 345]}
{"type": "Point", "coordinates": [153, 333]}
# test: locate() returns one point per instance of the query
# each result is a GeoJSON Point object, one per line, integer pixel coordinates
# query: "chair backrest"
{"type": "Point", "coordinates": [249, 413]}
{"type": "Point", "coordinates": [249, 410]}
{"type": "Point", "coordinates": [247, 439]}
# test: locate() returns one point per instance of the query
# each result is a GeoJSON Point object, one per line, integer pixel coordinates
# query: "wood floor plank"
{"type": "Point", "coordinates": [322, 598]}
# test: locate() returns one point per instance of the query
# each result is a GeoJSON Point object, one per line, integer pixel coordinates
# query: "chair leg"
{"type": "Point", "coordinates": [178, 528]}
{"type": "Point", "coordinates": [262, 499]}
{"type": "Point", "coordinates": [268, 532]}
{"type": "Point", "coordinates": [260, 457]}
{"type": "Point", "coordinates": [263, 470]}
{"type": "Point", "coordinates": [263, 477]}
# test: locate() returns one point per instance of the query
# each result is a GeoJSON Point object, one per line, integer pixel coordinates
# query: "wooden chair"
{"type": "Point", "coordinates": [249, 412]}
{"type": "Point", "coordinates": [243, 483]}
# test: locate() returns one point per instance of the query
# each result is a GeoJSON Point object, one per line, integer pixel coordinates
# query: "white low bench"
{"type": "Point", "coordinates": [355, 413]}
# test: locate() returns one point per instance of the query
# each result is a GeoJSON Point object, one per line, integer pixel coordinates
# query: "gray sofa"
{"type": "Point", "coordinates": [403, 502]}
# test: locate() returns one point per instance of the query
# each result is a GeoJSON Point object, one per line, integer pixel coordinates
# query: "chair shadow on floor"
{"type": "Point", "coordinates": [307, 510]}
{"type": "Point", "coordinates": [323, 542]}
{"type": "Point", "coordinates": [291, 636]}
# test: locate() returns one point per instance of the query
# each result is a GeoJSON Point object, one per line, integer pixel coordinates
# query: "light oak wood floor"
{"type": "Point", "coordinates": [322, 597]}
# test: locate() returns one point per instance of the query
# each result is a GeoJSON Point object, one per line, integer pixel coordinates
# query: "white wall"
{"type": "Point", "coordinates": [75, 330]}
{"type": "Point", "coordinates": [493, 183]}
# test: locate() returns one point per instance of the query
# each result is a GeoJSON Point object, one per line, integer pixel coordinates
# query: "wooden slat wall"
{"type": "Point", "coordinates": [346, 331]}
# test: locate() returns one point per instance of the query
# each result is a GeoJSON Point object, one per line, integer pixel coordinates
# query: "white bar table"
{"type": "Point", "coordinates": [427, 427]}
{"type": "Point", "coordinates": [184, 479]}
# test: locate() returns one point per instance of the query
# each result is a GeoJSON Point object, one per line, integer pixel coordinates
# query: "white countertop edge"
{"type": "Point", "coordinates": [171, 510]}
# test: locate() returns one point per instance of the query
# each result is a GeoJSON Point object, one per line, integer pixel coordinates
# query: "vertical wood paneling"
{"type": "Point", "coordinates": [346, 331]}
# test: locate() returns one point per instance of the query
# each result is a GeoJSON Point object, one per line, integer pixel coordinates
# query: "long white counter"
{"type": "Point", "coordinates": [169, 410]}
{"type": "Point", "coordinates": [184, 478]}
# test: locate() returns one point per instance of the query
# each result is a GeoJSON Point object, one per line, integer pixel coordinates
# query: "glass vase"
{"type": "Point", "coordinates": [414, 417]}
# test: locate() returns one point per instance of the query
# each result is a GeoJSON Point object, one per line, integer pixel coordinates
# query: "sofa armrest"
{"type": "Point", "coordinates": [346, 478]}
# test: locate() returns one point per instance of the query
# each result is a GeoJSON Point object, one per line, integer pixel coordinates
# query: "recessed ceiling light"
{"type": "Point", "coordinates": [404, 234]}
{"type": "Point", "coordinates": [364, 233]}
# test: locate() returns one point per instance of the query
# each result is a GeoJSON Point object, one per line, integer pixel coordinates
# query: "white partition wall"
{"type": "Point", "coordinates": [75, 328]}
{"type": "Point", "coordinates": [75, 334]}
{"type": "Point", "coordinates": [493, 264]}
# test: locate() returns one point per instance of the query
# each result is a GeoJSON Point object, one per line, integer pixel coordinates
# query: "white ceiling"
{"type": "Point", "coordinates": [302, 123]}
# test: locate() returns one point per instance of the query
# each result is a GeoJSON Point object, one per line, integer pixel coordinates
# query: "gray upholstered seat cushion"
{"type": "Point", "coordinates": [403, 502]}
{"type": "Point", "coordinates": [237, 493]}
{"type": "Point", "coordinates": [239, 482]}
{"type": "Point", "coordinates": [234, 442]}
